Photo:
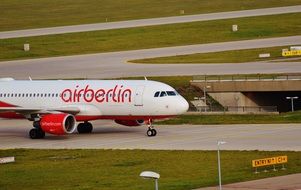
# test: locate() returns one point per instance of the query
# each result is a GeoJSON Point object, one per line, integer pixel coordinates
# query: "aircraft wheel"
{"type": "Point", "coordinates": [89, 127]}
{"type": "Point", "coordinates": [84, 128]}
{"type": "Point", "coordinates": [154, 132]}
{"type": "Point", "coordinates": [80, 128]}
{"type": "Point", "coordinates": [149, 133]}
{"type": "Point", "coordinates": [41, 134]}
{"type": "Point", "coordinates": [36, 134]}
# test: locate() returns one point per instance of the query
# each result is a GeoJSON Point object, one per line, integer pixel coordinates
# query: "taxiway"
{"type": "Point", "coordinates": [114, 64]}
{"type": "Point", "coordinates": [108, 135]}
{"type": "Point", "coordinates": [149, 22]}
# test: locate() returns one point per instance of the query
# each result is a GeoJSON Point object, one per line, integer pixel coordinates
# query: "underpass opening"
{"type": "Point", "coordinates": [276, 99]}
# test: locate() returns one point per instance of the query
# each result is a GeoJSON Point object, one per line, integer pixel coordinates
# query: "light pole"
{"type": "Point", "coordinates": [292, 100]}
{"type": "Point", "coordinates": [151, 175]}
{"type": "Point", "coordinates": [219, 163]}
{"type": "Point", "coordinates": [205, 99]}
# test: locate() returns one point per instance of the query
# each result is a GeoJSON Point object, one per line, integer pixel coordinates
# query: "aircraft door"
{"type": "Point", "coordinates": [139, 95]}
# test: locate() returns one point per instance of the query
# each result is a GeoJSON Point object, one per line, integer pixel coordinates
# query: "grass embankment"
{"type": "Point", "coordinates": [17, 14]}
{"type": "Point", "coordinates": [294, 117]}
{"type": "Point", "coordinates": [151, 37]}
{"type": "Point", "coordinates": [120, 169]}
{"type": "Point", "coordinates": [235, 56]}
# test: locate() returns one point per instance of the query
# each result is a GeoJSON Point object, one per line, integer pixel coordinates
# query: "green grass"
{"type": "Point", "coordinates": [17, 14]}
{"type": "Point", "coordinates": [234, 56]}
{"type": "Point", "coordinates": [151, 37]}
{"type": "Point", "coordinates": [120, 169]}
{"type": "Point", "coordinates": [294, 117]}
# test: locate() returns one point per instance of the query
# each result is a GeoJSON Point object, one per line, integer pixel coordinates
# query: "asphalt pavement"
{"type": "Point", "coordinates": [114, 64]}
{"type": "Point", "coordinates": [288, 182]}
{"type": "Point", "coordinates": [108, 135]}
{"type": "Point", "coordinates": [148, 22]}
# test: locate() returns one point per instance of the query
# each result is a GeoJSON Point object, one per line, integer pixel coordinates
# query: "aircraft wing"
{"type": "Point", "coordinates": [21, 110]}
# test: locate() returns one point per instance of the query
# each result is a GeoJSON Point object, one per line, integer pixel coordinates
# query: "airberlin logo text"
{"type": "Point", "coordinates": [117, 94]}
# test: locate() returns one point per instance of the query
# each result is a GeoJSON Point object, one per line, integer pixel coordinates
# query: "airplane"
{"type": "Point", "coordinates": [55, 106]}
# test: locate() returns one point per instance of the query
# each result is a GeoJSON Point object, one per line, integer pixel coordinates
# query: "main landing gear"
{"type": "Point", "coordinates": [151, 132]}
{"type": "Point", "coordinates": [36, 132]}
{"type": "Point", "coordinates": [85, 127]}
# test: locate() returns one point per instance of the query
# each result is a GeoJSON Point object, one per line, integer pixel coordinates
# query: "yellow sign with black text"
{"type": "Point", "coordinates": [269, 161]}
{"type": "Point", "coordinates": [291, 53]}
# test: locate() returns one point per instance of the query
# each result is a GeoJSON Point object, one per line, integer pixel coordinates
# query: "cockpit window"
{"type": "Point", "coordinates": [171, 93]}
{"type": "Point", "coordinates": [163, 93]}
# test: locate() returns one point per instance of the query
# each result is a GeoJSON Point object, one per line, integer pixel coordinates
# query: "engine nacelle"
{"type": "Point", "coordinates": [58, 124]}
{"type": "Point", "coordinates": [130, 123]}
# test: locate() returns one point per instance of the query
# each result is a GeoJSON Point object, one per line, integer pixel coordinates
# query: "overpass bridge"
{"type": "Point", "coordinates": [252, 91]}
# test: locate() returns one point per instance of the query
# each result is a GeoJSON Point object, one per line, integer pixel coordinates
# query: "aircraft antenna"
{"type": "Point", "coordinates": [30, 78]}
{"type": "Point", "coordinates": [145, 78]}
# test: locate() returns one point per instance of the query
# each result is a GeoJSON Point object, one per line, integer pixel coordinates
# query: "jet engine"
{"type": "Point", "coordinates": [58, 124]}
{"type": "Point", "coordinates": [130, 123]}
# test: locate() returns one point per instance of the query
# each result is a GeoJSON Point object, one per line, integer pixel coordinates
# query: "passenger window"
{"type": "Point", "coordinates": [171, 93]}
{"type": "Point", "coordinates": [157, 94]}
{"type": "Point", "coordinates": [163, 93]}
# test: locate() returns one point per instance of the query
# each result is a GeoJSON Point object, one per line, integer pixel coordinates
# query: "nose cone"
{"type": "Point", "coordinates": [183, 106]}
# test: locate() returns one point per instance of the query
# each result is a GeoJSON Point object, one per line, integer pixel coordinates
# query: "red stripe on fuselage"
{"type": "Point", "coordinates": [11, 115]}
{"type": "Point", "coordinates": [4, 104]}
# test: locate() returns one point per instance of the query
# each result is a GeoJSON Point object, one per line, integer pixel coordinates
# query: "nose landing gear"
{"type": "Point", "coordinates": [151, 132]}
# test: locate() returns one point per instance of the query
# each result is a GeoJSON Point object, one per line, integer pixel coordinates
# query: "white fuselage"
{"type": "Point", "coordinates": [96, 99]}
